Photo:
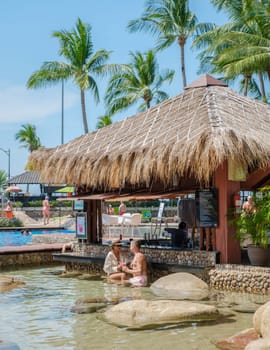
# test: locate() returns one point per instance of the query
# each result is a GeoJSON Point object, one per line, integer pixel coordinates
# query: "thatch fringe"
{"type": "Point", "coordinates": [189, 135]}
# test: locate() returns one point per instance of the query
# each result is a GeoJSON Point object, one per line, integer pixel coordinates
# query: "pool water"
{"type": "Point", "coordinates": [39, 316]}
{"type": "Point", "coordinates": [16, 238]}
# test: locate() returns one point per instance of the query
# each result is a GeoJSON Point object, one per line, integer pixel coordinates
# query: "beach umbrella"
{"type": "Point", "coordinates": [14, 189]}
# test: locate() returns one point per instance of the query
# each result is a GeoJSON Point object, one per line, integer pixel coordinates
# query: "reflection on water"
{"type": "Point", "coordinates": [38, 317]}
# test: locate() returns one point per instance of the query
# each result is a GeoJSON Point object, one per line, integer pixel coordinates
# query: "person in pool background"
{"type": "Point", "coordinates": [46, 210]}
{"type": "Point", "coordinates": [26, 232]}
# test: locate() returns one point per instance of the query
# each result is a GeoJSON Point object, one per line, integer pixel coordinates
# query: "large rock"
{"type": "Point", "coordinates": [180, 285]}
{"type": "Point", "coordinates": [149, 314]}
{"type": "Point", "coordinates": [260, 344]}
{"type": "Point", "coordinates": [238, 341]}
{"type": "Point", "coordinates": [261, 320]}
{"type": "Point", "coordinates": [8, 283]}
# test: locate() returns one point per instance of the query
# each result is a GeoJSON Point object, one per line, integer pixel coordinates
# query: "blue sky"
{"type": "Point", "coordinates": [26, 42]}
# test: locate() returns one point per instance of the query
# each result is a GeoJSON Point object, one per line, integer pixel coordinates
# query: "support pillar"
{"type": "Point", "coordinates": [226, 242]}
{"type": "Point", "coordinates": [94, 223]}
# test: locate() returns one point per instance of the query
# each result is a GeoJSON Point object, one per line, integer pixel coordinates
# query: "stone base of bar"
{"type": "Point", "coordinates": [240, 278]}
{"type": "Point", "coordinates": [89, 258]}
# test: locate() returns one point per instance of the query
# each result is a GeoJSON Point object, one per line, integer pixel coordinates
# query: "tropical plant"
{"type": "Point", "coordinates": [3, 180]}
{"type": "Point", "coordinates": [172, 21]}
{"type": "Point", "coordinates": [10, 223]}
{"type": "Point", "coordinates": [255, 225]}
{"type": "Point", "coordinates": [103, 121]}
{"type": "Point", "coordinates": [81, 64]}
{"type": "Point", "coordinates": [27, 136]}
{"type": "Point", "coordinates": [239, 48]}
{"type": "Point", "coordinates": [139, 80]}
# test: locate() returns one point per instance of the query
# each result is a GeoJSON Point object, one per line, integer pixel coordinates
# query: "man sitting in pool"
{"type": "Point", "coordinates": [138, 266]}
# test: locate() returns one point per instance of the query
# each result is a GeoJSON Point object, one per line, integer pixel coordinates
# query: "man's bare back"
{"type": "Point", "coordinates": [138, 265]}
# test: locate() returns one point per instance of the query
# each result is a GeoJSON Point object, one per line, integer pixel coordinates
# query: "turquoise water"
{"type": "Point", "coordinates": [38, 316]}
{"type": "Point", "coordinates": [16, 238]}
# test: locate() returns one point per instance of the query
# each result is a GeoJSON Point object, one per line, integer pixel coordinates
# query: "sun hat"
{"type": "Point", "coordinates": [116, 242]}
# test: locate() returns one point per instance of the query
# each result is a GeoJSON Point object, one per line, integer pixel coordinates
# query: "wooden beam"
{"type": "Point", "coordinates": [257, 179]}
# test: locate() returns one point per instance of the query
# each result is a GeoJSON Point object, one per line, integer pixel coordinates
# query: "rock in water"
{"type": "Point", "coordinates": [180, 285]}
{"type": "Point", "coordinates": [8, 283]}
{"type": "Point", "coordinates": [149, 314]}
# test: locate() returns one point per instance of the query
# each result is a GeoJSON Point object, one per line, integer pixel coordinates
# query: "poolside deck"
{"type": "Point", "coordinates": [31, 248]}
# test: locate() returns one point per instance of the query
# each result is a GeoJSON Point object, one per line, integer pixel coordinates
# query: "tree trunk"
{"type": "Point", "coordinates": [85, 124]}
{"type": "Point", "coordinates": [264, 99]}
{"type": "Point", "coordinates": [181, 42]}
{"type": "Point", "coordinates": [245, 85]}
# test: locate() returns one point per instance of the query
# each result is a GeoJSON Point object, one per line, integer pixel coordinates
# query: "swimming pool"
{"type": "Point", "coordinates": [16, 238]}
{"type": "Point", "coordinates": [38, 316]}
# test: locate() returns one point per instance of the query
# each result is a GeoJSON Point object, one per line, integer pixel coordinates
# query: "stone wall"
{"type": "Point", "coordinates": [15, 260]}
{"type": "Point", "coordinates": [161, 262]}
{"type": "Point", "coordinates": [240, 278]}
{"type": "Point", "coordinates": [53, 238]}
{"type": "Point", "coordinates": [192, 258]}
{"type": "Point", "coordinates": [36, 212]}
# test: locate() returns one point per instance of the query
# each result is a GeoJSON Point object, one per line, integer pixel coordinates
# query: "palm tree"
{"type": "Point", "coordinates": [172, 21]}
{"type": "Point", "coordinates": [3, 180]}
{"type": "Point", "coordinates": [27, 136]}
{"type": "Point", "coordinates": [82, 63]}
{"type": "Point", "coordinates": [135, 81]}
{"type": "Point", "coordinates": [239, 48]}
{"type": "Point", "coordinates": [103, 121]}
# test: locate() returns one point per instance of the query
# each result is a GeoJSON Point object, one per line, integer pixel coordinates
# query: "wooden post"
{"type": "Point", "coordinates": [208, 238]}
{"type": "Point", "coordinates": [226, 242]}
{"type": "Point", "coordinates": [94, 223]}
{"type": "Point", "coordinates": [99, 220]}
{"type": "Point", "coordinates": [202, 235]}
{"type": "Point", "coordinates": [213, 239]}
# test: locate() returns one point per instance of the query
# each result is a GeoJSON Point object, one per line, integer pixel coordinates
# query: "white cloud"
{"type": "Point", "coordinates": [18, 104]}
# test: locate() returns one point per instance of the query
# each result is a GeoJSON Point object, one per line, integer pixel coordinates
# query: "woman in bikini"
{"type": "Point", "coordinates": [46, 210]}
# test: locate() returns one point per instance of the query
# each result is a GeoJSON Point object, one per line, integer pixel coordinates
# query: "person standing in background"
{"type": "Point", "coordinates": [46, 210]}
{"type": "Point", "coordinates": [249, 205]}
{"type": "Point", "coordinates": [8, 210]}
{"type": "Point", "coordinates": [122, 209]}
{"type": "Point", "coordinates": [110, 210]}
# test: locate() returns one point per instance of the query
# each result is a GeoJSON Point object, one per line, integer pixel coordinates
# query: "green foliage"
{"type": "Point", "coordinates": [3, 179]}
{"type": "Point", "coordinates": [53, 203]}
{"type": "Point", "coordinates": [81, 64]}
{"type": "Point", "coordinates": [171, 21]}
{"type": "Point", "coordinates": [256, 225]}
{"type": "Point", "coordinates": [103, 121]}
{"type": "Point", "coordinates": [237, 50]}
{"type": "Point", "coordinates": [17, 204]}
{"type": "Point", "coordinates": [141, 204]}
{"type": "Point", "coordinates": [28, 138]}
{"type": "Point", "coordinates": [140, 80]}
{"type": "Point", "coordinates": [65, 204]}
{"type": "Point", "coordinates": [10, 223]}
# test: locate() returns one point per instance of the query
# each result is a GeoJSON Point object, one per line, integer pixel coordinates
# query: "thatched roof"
{"type": "Point", "coordinates": [189, 135]}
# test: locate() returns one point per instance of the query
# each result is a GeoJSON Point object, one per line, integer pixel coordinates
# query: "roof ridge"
{"type": "Point", "coordinates": [204, 81]}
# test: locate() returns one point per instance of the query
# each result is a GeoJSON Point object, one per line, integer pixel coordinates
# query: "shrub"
{"type": "Point", "coordinates": [10, 223]}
